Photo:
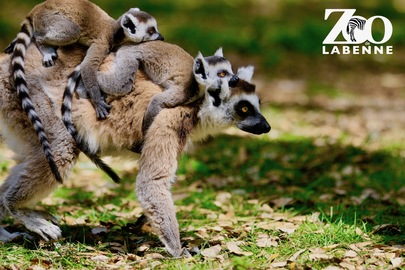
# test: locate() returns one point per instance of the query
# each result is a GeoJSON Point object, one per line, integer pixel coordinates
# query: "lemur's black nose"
{"type": "Point", "coordinates": [233, 81]}
{"type": "Point", "coordinates": [160, 37]}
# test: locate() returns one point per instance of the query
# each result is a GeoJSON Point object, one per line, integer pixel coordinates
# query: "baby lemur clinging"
{"type": "Point", "coordinates": [158, 65]}
{"type": "Point", "coordinates": [117, 81]}
{"type": "Point", "coordinates": [55, 23]}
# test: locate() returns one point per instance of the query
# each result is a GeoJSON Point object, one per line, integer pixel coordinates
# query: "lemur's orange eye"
{"type": "Point", "coordinates": [222, 74]}
{"type": "Point", "coordinates": [245, 109]}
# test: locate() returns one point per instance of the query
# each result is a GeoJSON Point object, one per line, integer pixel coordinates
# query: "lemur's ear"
{"type": "Point", "coordinates": [128, 23]}
{"type": "Point", "coordinates": [134, 10]}
{"type": "Point", "coordinates": [219, 53]}
{"type": "Point", "coordinates": [200, 66]}
{"type": "Point", "coordinates": [201, 70]}
{"type": "Point", "coordinates": [246, 73]}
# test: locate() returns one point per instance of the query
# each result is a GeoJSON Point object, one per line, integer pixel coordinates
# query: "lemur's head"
{"type": "Point", "coordinates": [229, 101]}
{"type": "Point", "coordinates": [139, 26]}
{"type": "Point", "coordinates": [246, 104]}
{"type": "Point", "coordinates": [216, 68]}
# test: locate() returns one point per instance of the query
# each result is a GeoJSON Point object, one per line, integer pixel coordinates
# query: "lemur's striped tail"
{"type": "Point", "coordinates": [19, 48]}
{"type": "Point", "coordinates": [73, 80]}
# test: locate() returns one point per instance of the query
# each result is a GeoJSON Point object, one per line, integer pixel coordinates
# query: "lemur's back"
{"type": "Point", "coordinates": [93, 21]}
{"type": "Point", "coordinates": [122, 128]}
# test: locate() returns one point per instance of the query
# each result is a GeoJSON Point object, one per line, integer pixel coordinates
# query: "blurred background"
{"type": "Point", "coordinates": [277, 36]}
{"type": "Point", "coordinates": [354, 99]}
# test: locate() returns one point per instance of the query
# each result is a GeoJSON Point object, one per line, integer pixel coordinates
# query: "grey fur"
{"type": "Point", "coordinates": [29, 181]}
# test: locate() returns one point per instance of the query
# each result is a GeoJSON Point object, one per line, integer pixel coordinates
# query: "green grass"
{"type": "Point", "coordinates": [230, 195]}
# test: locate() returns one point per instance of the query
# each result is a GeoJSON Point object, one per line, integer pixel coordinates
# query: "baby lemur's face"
{"type": "Point", "coordinates": [139, 26]}
{"type": "Point", "coordinates": [219, 70]}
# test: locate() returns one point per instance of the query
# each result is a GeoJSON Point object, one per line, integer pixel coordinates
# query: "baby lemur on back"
{"type": "Point", "coordinates": [158, 65]}
{"type": "Point", "coordinates": [55, 23]}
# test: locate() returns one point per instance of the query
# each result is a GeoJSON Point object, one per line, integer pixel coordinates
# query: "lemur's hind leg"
{"type": "Point", "coordinates": [6, 236]}
{"type": "Point", "coordinates": [28, 183]}
{"type": "Point", "coordinates": [48, 35]}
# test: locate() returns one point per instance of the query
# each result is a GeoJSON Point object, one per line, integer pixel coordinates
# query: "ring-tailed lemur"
{"type": "Point", "coordinates": [158, 65]}
{"type": "Point", "coordinates": [55, 23]}
{"type": "Point", "coordinates": [30, 181]}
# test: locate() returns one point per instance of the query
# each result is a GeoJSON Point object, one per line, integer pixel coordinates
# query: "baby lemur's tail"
{"type": "Point", "coordinates": [18, 48]}
{"type": "Point", "coordinates": [74, 78]}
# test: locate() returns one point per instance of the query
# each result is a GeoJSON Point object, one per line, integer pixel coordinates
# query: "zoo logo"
{"type": "Point", "coordinates": [355, 29]}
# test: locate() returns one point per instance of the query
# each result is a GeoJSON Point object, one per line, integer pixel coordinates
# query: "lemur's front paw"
{"type": "Point", "coordinates": [49, 59]}
{"type": "Point", "coordinates": [102, 110]}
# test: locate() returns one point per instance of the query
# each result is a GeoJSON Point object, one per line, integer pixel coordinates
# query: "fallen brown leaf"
{"type": "Point", "coordinates": [202, 233]}
{"type": "Point", "coordinates": [264, 240]}
{"type": "Point", "coordinates": [388, 255]}
{"type": "Point", "coordinates": [392, 228]}
{"type": "Point", "coordinates": [319, 256]}
{"type": "Point", "coordinates": [296, 255]}
{"type": "Point", "coordinates": [330, 247]}
{"type": "Point", "coordinates": [278, 264]}
{"type": "Point", "coordinates": [350, 254]}
{"type": "Point", "coordinates": [143, 247]}
{"type": "Point", "coordinates": [347, 265]}
{"type": "Point", "coordinates": [397, 262]}
{"type": "Point", "coordinates": [281, 202]}
{"type": "Point", "coordinates": [100, 258]}
{"type": "Point", "coordinates": [332, 267]}
{"type": "Point", "coordinates": [222, 198]}
{"type": "Point", "coordinates": [211, 252]}
{"type": "Point", "coordinates": [266, 208]}
{"type": "Point", "coordinates": [234, 248]}
{"type": "Point", "coordinates": [359, 246]}
{"type": "Point", "coordinates": [286, 227]}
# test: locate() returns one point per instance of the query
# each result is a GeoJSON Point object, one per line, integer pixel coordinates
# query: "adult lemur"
{"type": "Point", "coordinates": [30, 181]}
{"type": "Point", "coordinates": [158, 65]}
{"type": "Point", "coordinates": [55, 23]}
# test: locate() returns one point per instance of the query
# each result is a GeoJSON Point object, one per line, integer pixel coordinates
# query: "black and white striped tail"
{"type": "Point", "coordinates": [19, 47]}
{"type": "Point", "coordinates": [73, 80]}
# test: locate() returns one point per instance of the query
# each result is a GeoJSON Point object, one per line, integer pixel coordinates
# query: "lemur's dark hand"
{"type": "Point", "coordinates": [49, 59]}
{"type": "Point", "coordinates": [102, 109]}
